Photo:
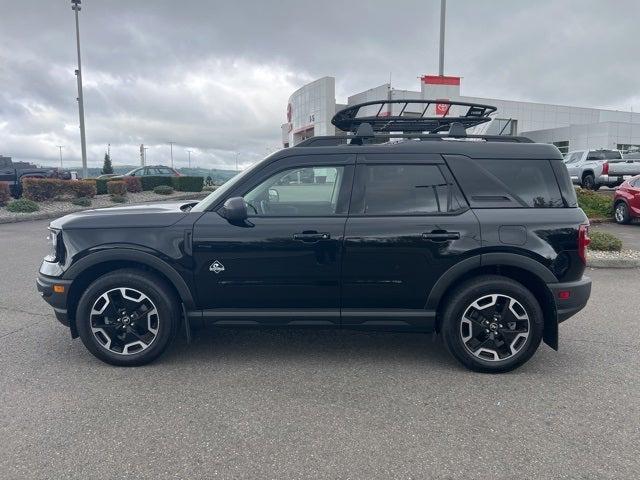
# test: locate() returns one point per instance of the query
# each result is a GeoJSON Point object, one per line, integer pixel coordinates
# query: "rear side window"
{"type": "Point", "coordinates": [507, 183]}
{"type": "Point", "coordinates": [399, 189]}
{"type": "Point", "coordinates": [604, 155]}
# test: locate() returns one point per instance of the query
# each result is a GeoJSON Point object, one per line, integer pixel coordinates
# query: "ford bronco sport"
{"type": "Point", "coordinates": [478, 238]}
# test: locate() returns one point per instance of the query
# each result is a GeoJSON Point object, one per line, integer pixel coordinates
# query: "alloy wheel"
{"type": "Point", "coordinates": [495, 327]}
{"type": "Point", "coordinates": [124, 321]}
{"type": "Point", "coordinates": [620, 212]}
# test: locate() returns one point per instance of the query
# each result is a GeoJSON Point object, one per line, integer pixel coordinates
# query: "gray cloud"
{"type": "Point", "coordinates": [215, 76]}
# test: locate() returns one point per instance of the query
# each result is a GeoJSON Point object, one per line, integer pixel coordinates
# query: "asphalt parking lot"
{"type": "Point", "coordinates": [314, 404]}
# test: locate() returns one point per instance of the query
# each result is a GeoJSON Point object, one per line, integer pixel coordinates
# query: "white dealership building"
{"type": "Point", "coordinates": [311, 108]}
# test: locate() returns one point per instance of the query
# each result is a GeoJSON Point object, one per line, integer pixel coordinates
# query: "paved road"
{"type": "Point", "coordinates": [314, 404]}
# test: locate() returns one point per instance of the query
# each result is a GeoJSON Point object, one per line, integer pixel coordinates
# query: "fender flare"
{"type": "Point", "coordinates": [137, 256]}
{"type": "Point", "coordinates": [486, 259]}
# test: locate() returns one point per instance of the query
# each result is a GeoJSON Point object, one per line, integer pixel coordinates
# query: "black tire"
{"type": "Point", "coordinates": [460, 302]}
{"type": "Point", "coordinates": [621, 213]}
{"type": "Point", "coordinates": [157, 295]}
{"type": "Point", "coordinates": [589, 182]}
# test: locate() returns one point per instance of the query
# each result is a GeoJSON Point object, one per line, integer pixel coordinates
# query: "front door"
{"type": "Point", "coordinates": [282, 266]}
{"type": "Point", "coordinates": [408, 224]}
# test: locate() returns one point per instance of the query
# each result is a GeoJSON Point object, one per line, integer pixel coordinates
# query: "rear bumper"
{"type": "Point", "coordinates": [57, 300]}
{"type": "Point", "coordinates": [577, 295]}
{"type": "Point", "coordinates": [611, 180]}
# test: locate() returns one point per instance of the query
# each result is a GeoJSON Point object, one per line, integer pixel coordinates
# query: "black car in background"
{"type": "Point", "coordinates": [478, 238]}
{"type": "Point", "coordinates": [13, 173]}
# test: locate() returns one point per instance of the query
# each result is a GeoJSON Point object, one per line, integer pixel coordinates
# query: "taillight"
{"type": "Point", "coordinates": [605, 168]}
{"type": "Point", "coordinates": [583, 242]}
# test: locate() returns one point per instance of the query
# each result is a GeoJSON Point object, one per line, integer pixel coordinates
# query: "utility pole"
{"type": "Point", "coordinates": [443, 14]}
{"type": "Point", "coordinates": [60, 147]}
{"type": "Point", "coordinates": [237, 162]}
{"type": "Point", "coordinates": [145, 154]}
{"type": "Point", "coordinates": [171, 146]}
{"type": "Point", "coordinates": [83, 143]}
{"type": "Point", "coordinates": [189, 152]}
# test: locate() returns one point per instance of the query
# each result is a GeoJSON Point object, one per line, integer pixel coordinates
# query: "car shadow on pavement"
{"type": "Point", "coordinates": [209, 343]}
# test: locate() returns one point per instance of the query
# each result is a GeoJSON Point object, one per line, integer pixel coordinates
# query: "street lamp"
{"type": "Point", "coordinates": [189, 152]}
{"type": "Point", "coordinates": [171, 146]}
{"type": "Point", "coordinates": [145, 154]}
{"type": "Point", "coordinates": [75, 6]}
{"type": "Point", "coordinates": [60, 147]}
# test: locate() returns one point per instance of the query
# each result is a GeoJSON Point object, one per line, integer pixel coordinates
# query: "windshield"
{"type": "Point", "coordinates": [221, 191]}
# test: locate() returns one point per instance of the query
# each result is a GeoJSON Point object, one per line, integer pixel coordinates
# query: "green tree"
{"type": "Point", "coordinates": [106, 166]}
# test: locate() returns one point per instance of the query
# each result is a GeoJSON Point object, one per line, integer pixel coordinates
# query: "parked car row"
{"type": "Point", "coordinates": [592, 169]}
{"type": "Point", "coordinates": [147, 171]}
{"type": "Point", "coordinates": [13, 173]}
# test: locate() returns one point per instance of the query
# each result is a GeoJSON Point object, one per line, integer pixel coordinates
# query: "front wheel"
{"type": "Point", "coordinates": [127, 317]}
{"type": "Point", "coordinates": [492, 324]}
{"type": "Point", "coordinates": [621, 213]}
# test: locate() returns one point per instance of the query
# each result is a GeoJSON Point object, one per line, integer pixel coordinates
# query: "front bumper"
{"type": "Point", "coordinates": [570, 297]}
{"type": "Point", "coordinates": [57, 299]}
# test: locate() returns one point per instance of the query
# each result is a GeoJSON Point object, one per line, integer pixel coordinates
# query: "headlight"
{"type": "Point", "coordinates": [54, 246]}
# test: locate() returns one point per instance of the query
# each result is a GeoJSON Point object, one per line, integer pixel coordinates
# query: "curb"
{"type": "Point", "coordinates": [613, 263]}
{"type": "Point", "coordinates": [50, 215]}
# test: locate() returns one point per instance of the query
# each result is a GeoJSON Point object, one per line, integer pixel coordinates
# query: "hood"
{"type": "Point", "coordinates": [147, 215]}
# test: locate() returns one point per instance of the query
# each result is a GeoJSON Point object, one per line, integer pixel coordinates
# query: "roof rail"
{"type": "Point", "coordinates": [332, 141]}
{"type": "Point", "coordinates": [412, 115]}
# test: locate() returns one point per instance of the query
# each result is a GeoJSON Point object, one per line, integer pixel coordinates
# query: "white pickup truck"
{"type": "Point", "coordinates": [592, 169]}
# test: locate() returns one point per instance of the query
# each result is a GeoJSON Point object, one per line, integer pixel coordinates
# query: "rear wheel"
{"type": "Point", "coordinates": [492, 324]}
{"type": "Point", "coordinates": [127, 317]}
{"type": "Point", "coordinates": [621, 213]}
{"type": "Point", "coordinates": [589, 182]}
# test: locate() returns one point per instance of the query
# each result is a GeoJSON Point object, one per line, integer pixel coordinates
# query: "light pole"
{"type": "Point", "coordinates": [189, 152]}
{"type": "Point", "coordinates": [75, 6]}
{"type": "Point", "coordinates": [145, 154]}
{"type": "Point", "coordinates": [60, 147]}
{"type": "Point", "coordinates": [443, 14]}
{"type": "Point", "coordinates": [171, 146]}
{"type": "Point", "coordinates": [237, 153]}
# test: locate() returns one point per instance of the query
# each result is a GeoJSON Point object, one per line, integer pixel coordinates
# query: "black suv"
{"type": "Point", "coordinates": [478, 238]}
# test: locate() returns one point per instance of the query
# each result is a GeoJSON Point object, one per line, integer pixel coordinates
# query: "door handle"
{"type": "Point", "coordinates": [311, 236]}
{"type": "Point", "coordinates": [441, 236]}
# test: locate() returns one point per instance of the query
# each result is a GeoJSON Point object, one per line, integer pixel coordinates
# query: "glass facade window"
{"type": "Point", "coordinates": [563, 146]}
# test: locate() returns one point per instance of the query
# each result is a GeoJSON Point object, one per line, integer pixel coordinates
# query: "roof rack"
{"type": "Point", "coordinates": [428, 116]}
{"type": "Point", "coordinates": [334, 140]}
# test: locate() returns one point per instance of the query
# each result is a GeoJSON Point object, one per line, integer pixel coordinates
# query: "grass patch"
{"type": "Point", "coordinates": [604, 242]}
{"type": "Point", "coordinates": [595, 205]}
{"type": "Point", "coordinates": [23, 205]}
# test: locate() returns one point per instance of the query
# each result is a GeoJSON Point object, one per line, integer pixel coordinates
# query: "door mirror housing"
{"type": "Point", "coordinates": [234, 210]}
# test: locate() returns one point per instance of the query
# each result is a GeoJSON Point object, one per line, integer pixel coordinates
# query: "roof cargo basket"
{"type": "Point", "coordinates": [426, 116]}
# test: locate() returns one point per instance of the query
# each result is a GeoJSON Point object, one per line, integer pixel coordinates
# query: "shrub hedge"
{"type": "Point", "coordinates": [187, 184]}
{"type": "Point", "coordinates": [39, 189]}
{"type": "Point", "coordinates": [118, 198]}
{"type": "Point", "coordinates": [5, 193]}
{"type": "Point", "coordinates": [151, 182]}
{"type": "Point", "coordinates": [117, 187]}
{"type": "Point", "coordinates": [23, 205]}
{"type": "Point", "coordinates": [595, 205]}
{"type": "Point", "coordinates": [101, 185]}
{"type": "Point", "coordinates": [82, 201]}
{"type": "Point", "coordinates": [163, 190]}
{"type": "Point", "coordinates": [605, 242]}
{"type": "Point", "coordinates": [134, 184]}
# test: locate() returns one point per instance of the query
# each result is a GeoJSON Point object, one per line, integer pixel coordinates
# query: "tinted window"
{"type": "Point", "coordinates": [297, 192]}
{"type": "Point", "coordinates": [506, 183]}
{"type": "Point", "coordinates": [402, 190]}
{"type": "Point", "coordinates": [604, 155]}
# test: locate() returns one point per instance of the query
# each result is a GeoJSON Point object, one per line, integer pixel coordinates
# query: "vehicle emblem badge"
{"type": "Point", "coordinates": [216, 267]}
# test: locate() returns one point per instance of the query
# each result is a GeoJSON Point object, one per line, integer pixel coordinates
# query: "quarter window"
{"type": "Point", "coordinates": [297, 192]}
{"type": "Point", "coordinates": [402, 190]}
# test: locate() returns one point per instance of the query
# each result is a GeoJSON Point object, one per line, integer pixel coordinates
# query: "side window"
{"type": "Point", "coordinates": [507, 183]}
{"type": "Point", "coordinates": [297, 192]}
{"type": "Point", "coordinates": [164, 171]}
{"type": "Point", "coordinates": [399, 189]}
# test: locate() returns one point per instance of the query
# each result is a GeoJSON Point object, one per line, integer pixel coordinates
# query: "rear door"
{"type": "Point", "coordinates": [408, 224]}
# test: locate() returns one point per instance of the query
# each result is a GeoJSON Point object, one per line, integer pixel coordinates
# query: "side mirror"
{"type": "Point", "coordinates": [234, 210]}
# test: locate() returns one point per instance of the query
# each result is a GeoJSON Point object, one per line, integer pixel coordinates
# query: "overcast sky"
{"type": "Point", "coordinates": [215, 76]}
